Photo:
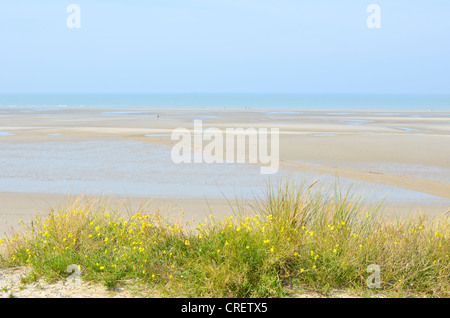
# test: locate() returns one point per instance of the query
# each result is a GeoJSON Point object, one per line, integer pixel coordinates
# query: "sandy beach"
{"type": "Point", "coordinates": [406, 152]}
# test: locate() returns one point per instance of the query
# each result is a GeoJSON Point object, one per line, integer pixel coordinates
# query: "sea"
{"type": "Point", "coordinates": [337, 102]}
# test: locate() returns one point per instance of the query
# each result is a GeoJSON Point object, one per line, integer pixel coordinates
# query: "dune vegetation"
{"type": "Point", "coordinates": [296, 235]}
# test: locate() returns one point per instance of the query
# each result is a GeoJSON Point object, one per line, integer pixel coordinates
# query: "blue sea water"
{"type": "Point", "coordinates": [228, 101]}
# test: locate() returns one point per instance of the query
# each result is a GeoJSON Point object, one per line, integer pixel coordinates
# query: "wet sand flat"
{"type": "Point", "coordinates": [408, 151]}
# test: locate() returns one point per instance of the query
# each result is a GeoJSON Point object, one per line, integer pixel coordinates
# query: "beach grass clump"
{"type": "Point", "coordinates": [296, 235]}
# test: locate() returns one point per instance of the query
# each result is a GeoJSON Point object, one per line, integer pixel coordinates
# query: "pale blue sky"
{"type": "Point", "coordinates": [254, 46]}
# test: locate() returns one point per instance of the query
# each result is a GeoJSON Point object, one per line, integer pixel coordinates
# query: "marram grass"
{"type": "Point", "coordinates": [295, 236]}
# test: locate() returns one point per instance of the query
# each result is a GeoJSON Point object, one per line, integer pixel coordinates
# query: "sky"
{"type": "Point", "coordinates": [225, 46]}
